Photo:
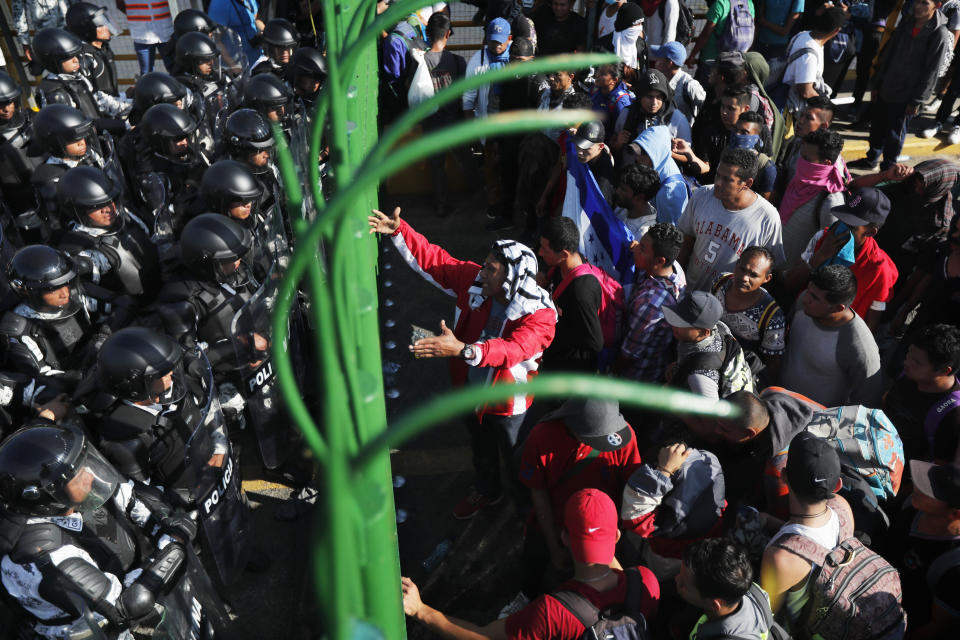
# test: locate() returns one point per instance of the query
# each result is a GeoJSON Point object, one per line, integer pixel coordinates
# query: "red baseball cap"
{"type": "Point", "coordinates": [591, 521]}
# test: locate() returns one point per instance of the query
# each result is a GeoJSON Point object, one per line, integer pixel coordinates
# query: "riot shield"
{"type": "Point", "coordinates": [232, 55]}
{"type": "Point", "coordinates": [220, 502]}
{"type": "Point", "coordinates": [192, 610]}
{"type": "Point", "coordinates": [250, 333]}
{"type": "Point", "coordinates": [111, 164]}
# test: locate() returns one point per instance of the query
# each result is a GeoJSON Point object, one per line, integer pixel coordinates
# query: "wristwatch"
{"type": "Point", "coordinates": [468, 352]}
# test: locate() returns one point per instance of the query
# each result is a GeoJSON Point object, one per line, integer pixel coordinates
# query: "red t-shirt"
{"type": "Point", "coordinates": [550, 451]}
{"type": "Point", "coordinates": [546, 619]}
{"type": "Point", "coordinates": [875, 273]}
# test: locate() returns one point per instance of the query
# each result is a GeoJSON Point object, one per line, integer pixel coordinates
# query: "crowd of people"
{"type": "Point", "coordinates": [703, 232]}
{"type": "Point", "coordinates": [143, 236]}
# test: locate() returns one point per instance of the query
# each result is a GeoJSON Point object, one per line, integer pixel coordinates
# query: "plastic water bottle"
{"type": "Point", "coordinates": [437, 555]}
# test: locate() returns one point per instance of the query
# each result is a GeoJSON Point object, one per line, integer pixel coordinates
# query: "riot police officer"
{"type": "Point", "coordinates": [272, 98]}
{"type": "Point", "coordinates": [122, 259]}
{"type": "Point", "coordinates": [198, 67]}
{"type": "Point", "coordinates": [72, 531]}
{"type": "Point", "coordinates": [199, 302]}
{"type": "Point", "coordinates": [148, 402]}
{"type": "Point", "coordinates": [58, 326]}
{"type": "Point", "coordinates": [58, 53]}
{"type": "Point", "coordinates": [69, 139]}
{"type": "Point", "coordinates": [228, 42]}
{"type": "Point", "coordinates": [91, 24]}
{"type": "Point", "coordinates": [248, 138]}
{"type": "Point", "coordinates": [18, 159]}
{"type": "Point", "coordinates": [307, 74]}
{"type": "Point", "coordinates": [280, 40]}
{"type": "Point", "coordinates": [191, 20]}
{"type": "Point", "coordinates": [158, 87]}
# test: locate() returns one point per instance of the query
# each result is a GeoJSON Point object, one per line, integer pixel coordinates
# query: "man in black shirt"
{"type": "Point", "coordinates": [559, 29]}
{"type": "Point", "coordinates": [579, 336]}
{"type": "Point", "coordinates": [593, 152]}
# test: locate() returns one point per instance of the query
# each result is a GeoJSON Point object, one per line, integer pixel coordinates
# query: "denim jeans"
{"type": "Point", "coordinates": [887, 131]}
{"type": "Point", "coordinates": [495, 438]}
{"type": "Point", "coordinates": [147, 53]}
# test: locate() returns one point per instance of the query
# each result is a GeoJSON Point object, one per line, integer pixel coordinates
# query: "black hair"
{"type": "Point", "coordinates": [744, 160]}
{"type": "Point", "coordinates": [829, 144]}
{"type": "Point", "coordinates": [577, 100]}
{"type": "Point", "coordinates": [941, 342]}
{"type": "Point", "coordinates": [641, 179]}
{"type": "Point", "coordinates": [823, 103]}
{"type": "Point", "coordinates": [561, 233]}
{"type": "Point", "coordinates": [615, 69]}
{"type": "Point", "coordinates": [838, 283]}
{"type": "Point", "coordinates": [734, 76]}
{"type": "Point", "coordinates": [739, 91]}
{"type": "Point", "coordinates": [828, 21]}
{"type": "Point", "coordinates": [756, 250]}
{"type": "Point", "coordinates": [437, 26]}
{"type": "Point", "coordinates": [720, 569]}
{"type": "Point", "coordinates": [753, 412]}
{"type": "Point", "coordinates": [755, 117]}
{"type": "Point", "coordinates": [666, 241]}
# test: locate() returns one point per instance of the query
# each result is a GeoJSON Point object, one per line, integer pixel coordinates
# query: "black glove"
{"type": "Point", "coordinates": [179, 525]}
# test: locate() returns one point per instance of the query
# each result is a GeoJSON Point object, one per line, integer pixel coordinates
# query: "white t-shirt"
{"type": "Point", "coordinates": [809, 66]}
{"type": "Point", "coordinates": [605, 24]}
{"type": "Point", "coordinates": [721, 235]}
{"type": "Point", "coordinates": [657, 31]}
{"type": "Point", "coordinates": [637, 226]}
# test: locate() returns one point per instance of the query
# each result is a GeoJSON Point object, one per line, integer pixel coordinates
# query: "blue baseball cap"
{"type": "Point", "coordinates": [672, 51]}
{"type": "Point", "coordinates": [498, 30]}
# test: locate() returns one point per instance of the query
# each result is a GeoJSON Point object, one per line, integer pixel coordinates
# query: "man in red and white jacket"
{"type": "Point", "coordinates": [503, 323]}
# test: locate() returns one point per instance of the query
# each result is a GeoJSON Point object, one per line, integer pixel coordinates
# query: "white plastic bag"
{"type": "Point", "coordinates": [421, 87]}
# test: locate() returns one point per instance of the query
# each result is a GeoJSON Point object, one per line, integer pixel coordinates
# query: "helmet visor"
{"type": "Point", "coordinates": [94, 482]}
{"type": "Point", "coordinates": [60, 297]}
{"type": "Point", "coordinates": [168, 387]}
{"type": "Point", "coordinates": [101, 19]}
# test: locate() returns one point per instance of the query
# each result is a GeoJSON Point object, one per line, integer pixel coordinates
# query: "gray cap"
{"type": "Point", "coordinates": [594, 422]}
{"type": "Point", "coordinates": [697, 309]}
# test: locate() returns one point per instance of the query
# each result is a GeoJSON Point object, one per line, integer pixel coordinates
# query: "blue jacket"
{"type": "Point", "coordinates": [241, 16]}
{"type": "Point", "coordinates": [672, 198]}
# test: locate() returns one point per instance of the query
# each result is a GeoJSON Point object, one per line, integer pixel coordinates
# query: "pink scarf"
{"type": "Point", "coordinates": [808, 182]}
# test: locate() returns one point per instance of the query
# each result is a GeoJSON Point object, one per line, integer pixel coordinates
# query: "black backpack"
{"type": "Point", "coordinates": [620, 622]}
{"type": "Point", "coordinates": [685, 29]}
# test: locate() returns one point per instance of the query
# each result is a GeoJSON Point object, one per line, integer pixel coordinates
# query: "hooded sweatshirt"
{"type": "Point", "coordinates": [672, 197]}
{"type": "Point", "coordinates": [636, 120]}
{"type": "Point", "coordinates": [908, 66]}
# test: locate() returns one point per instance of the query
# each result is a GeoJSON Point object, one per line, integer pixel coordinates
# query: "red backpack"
{"type": "Point", "coordinates": [611, 301]}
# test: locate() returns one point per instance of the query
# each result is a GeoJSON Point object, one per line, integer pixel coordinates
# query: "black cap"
{"type": "Point", "coordinates": [813, 467]}
{"type": "Point", "coordinates": [521, 48]}
{"type": "Point", "coordinates": [863, 206]}
{"type": "Point", "coordinates": [594, 422]}
{"type": "Point", "coordinates": [729, 60]}
{"type": "Point", "coordinates": [589, 134]}
{"type": "Point", "coordinates": [938, 481]}
{"type": "Point", "coordinates": [697, 309]}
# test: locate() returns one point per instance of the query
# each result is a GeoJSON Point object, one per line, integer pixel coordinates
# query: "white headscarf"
{"type": "Point", "coordinates": [625, 44]}
{"type": "Point", "coordinates": [524, 295]}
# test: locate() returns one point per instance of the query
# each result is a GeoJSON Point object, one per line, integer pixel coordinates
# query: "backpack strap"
{"type": "Point", "coordinates": [943, 563]}
{"type": "Point", "coordinates": [767, 316]}
{"type": "Point", "coordinates": [580, 270]}
{"type": "Point", "coordinates": [802, 546]}
{"type": "Point", "coordinates": [579, 466]}
{"type": "Point", "coordinates": [721, 281]}
{"type": "Point", "coordinates": [947, 403]}
{"type": "Point", "coordinates": [582, 609]}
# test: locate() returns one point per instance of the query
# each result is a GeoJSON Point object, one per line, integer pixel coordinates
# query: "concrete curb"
{"type": "Point", "coordinates": [854, 149]}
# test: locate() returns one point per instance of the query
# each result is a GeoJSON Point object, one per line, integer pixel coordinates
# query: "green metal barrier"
{"type": "Point", "coordinates": [355, 549]}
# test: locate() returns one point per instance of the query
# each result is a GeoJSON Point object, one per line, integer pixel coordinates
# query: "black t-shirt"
{"type": "Point", "coordinates": [602, 169]}
{"type": "Point", "coordinates": [579, 336]}
{"type": "Point", "coordinates": [445, 68]}
{"type": "Point", "coordinates": [710, 138]}
{"type": "Point", "coordinates": [907, 407]}
{"type": "Point", "coordinates": [559, 37]}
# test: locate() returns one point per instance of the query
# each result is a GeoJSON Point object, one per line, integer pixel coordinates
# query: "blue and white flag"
{"type": "Point", "coordinates": [604, 239]}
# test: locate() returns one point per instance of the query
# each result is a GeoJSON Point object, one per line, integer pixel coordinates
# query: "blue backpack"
{"type": "Point", "coordinates": [740, 29]}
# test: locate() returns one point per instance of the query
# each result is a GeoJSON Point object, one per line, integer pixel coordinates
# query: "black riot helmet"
{"type": "Point", "coordinates": [140, 364]}
{"type": "Point", "coordinates": [211, 244]}
{"type": "Point", "coordinates": [280, 38]}
{"type": "Point", "coordinates": [58, 125]}
{"type": "Point", "coordinates": [228, 182]}
{"type": "Point", "coordinates": [10, 92]}
{"type": "Point", "coordinates": [191, 20]}
{"type": "Point", "coordinates": [246, 133]}
{"type": "Point", "coordinates": [164, 128]}
{"type": "Point", "coordinates": [156, 87]}
{"type": "Point", "coordinates": [194, 49]}
{"type": "Point", "coordinates": [52, 47]}
{"type": "Point", "coordinates": [83, 190]}
{"type": "Point", "coordinates": [270, 96]}
{"type": "Point", "coordinates": [83, 18]}
{"type": "Point", "coordinates": [307, 68]}
{"type": "Point", "coordinates": [46, 280]}
{"type": "Point", "coordinates": [48, 470]}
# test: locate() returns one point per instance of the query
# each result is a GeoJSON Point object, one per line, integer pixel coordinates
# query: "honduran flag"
{"type": "Point", "coordinates": [604, 240]}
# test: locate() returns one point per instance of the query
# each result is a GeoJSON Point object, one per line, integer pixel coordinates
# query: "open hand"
{"type": "Point", "coordinates": [671, 458]}
{"type": "Point", "coordinates": [444, 345]}
{"type": "Point", "coordinates": [382, 223]}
